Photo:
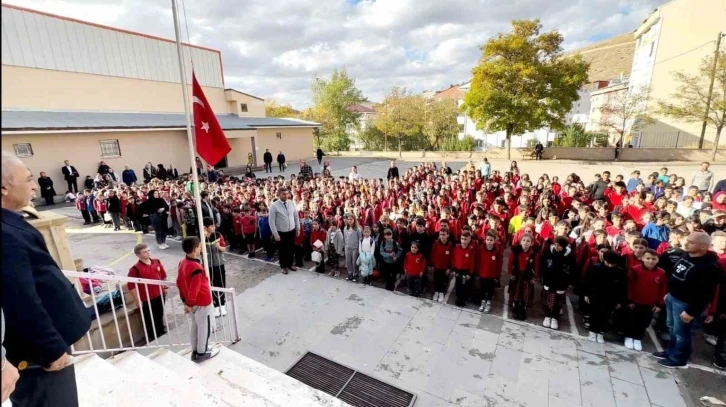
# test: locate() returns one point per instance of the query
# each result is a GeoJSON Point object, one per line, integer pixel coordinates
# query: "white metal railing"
{"type": "Point", "coordinates": [225, 329]}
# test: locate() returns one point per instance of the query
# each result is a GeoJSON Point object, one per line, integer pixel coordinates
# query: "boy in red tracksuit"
{"type": "Point", "coordinates": [195, 293]}
{"type": "Point", "coordinates": [440, 262]}
{"type": "Point", "coordinates": [647, 286]}
{"type": "Point", "coordinates": [489, 269]}
{"type": "Point", "coordinates": [462, 262]}
{"type": "Point", "coordinates": [414, 266]}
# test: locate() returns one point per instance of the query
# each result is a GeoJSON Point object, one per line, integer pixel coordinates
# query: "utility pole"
{"type": "Point", "coordinates": [710, 91]}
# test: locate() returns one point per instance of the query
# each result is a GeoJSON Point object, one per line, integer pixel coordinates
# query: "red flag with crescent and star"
{"type": "Point", "coordinates": [211, 143]}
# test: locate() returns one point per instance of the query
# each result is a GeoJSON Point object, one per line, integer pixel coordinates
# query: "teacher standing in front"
{"type": "Point", "coordinates": [285, 226]}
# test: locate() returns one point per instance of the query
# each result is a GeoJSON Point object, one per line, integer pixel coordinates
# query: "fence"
{"type": "Point", "coordinates": [678, 139]}
{"type": "Point", "coordinates": [121, 321]}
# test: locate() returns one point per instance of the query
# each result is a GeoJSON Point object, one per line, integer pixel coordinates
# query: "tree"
{"type": "Point", "coordinates": [624, 112]}
{"type": "Point", "coordinates": [440, 122]}
{"type": "Point", "coordinates": [332, 98]}
{"type": "Point", "coordinates": [401, 117]}
{"type": "Point", "coordinates": [273, 109]}
{"type": "Point", "coordinates": [372, 137]}
{"type": "Point", "coordinates": [574, 135]}
{"type": "Point", "coordinates": [523, 82]}
{"type": "Point", "coordinates": [688, 102]}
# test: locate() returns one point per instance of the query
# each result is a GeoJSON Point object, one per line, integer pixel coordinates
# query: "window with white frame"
{"type": "Point", "coordinates": [23, 150]}
{"type": "Point", "coordinates": [110, 148]}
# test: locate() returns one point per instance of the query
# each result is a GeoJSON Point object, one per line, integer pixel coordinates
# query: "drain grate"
{"type": "Point", "coordinates": [353, 387]}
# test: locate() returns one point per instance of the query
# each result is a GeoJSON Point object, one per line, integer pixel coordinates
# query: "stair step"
{"type": "Point", "coordinates": [102, 384]}
{"type": "Point", "coordinates": [275, 386]}
{"type": "Point", "coordinates": [229, 393]}
{"type": "Point", "coordinates": [163, 380]}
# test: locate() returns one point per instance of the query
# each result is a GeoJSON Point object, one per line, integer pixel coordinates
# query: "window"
{"type": "Point", "coordinates": [110, 148]}
{"type": "Point", "coordinates": [461, 128]}
{"type": "Point", "coordinates": [23, 150]}
{"type": "Point", "coordinates": [652, 45]}
{"type": "Point", "coordinates": [279, 136]}
{"type": "Point", "coordinates": [243, 107]}
{"type": "Point", "coordinates": [503, 143]}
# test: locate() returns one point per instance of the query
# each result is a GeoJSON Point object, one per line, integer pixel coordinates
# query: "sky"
{"type": "Point", "coordinates": [273, 48]}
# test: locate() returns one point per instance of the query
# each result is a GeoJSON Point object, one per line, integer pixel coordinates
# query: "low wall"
{"type": "Point", "coordinates": [551, 153]}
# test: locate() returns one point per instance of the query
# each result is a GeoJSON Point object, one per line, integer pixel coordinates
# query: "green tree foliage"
{"type": "Point", "coordinates": [273, 109]}
{"type": "Point", "coordinates": [523, 82]}
{"type": "Point", "coordinates": [412, 122]}
{"type": "Point", "coordinates": [455, 144]}
{"type": "Point", "coordinates": [372, 137]}
{"type": "Point", "coordinates": [574, 135]}
{"type": "Point", "coordinates": [332, 98]}
{"type": "Point", "coordinates": [688, 102]}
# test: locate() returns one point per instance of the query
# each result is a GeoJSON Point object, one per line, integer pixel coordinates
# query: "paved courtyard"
{"type": "Point", "coordinates": [446, 355]}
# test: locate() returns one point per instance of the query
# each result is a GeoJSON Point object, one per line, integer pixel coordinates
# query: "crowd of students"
{"type": "Point", "coordinates": [615, 243]}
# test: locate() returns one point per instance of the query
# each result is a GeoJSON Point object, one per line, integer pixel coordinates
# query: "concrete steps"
{"type": "Point", "coordinates": [166, 378]}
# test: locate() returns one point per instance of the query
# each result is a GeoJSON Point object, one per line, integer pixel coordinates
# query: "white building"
{"type": "Point", "coordinates": [367, 116]}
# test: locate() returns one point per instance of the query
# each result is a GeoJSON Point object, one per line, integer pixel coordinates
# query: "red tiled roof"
{"type": "Point", "coordinates": [361, 109]}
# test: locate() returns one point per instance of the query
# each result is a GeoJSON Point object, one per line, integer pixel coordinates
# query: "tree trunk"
{"type": "Point", "coordinates": [508, 141]}
{"type": "Point", "coordinates": [715, 143]}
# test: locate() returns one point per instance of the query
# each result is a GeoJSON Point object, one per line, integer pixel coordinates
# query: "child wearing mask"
{"type": "Point", "coordinates": [647, 286]}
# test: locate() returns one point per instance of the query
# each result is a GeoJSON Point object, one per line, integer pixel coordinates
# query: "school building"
{"type": "Point", "coordinates": [78, 91]}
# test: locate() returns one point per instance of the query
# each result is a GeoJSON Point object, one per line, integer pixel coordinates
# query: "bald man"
{"type": "Point", "coordinates": [691, 286]}
{"type": "Point", "coordinates": [43, 313]}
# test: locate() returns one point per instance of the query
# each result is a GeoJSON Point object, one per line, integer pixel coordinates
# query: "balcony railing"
{"type": "Point", "coordinates": [115, 328]}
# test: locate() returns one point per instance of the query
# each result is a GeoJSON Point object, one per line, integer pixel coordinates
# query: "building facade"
{"type": "Point", "coordinates": [78, 91]}
{"type": "Point", "coordinates": [366, 120]}
{"type": "Point", "coordinates": [674, 38]}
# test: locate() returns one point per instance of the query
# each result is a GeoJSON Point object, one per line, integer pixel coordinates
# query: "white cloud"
{"type": "Point", "coordinates": [273, 48]}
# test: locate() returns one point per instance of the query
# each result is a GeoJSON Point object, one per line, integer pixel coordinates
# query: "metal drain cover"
{"type": "Point", "coordinates": [349, 385]}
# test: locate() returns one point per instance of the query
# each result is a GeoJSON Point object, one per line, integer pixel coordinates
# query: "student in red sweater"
{"type": "Point", "coordinates": [647, 286]}
{"type": "Point", "coordinates": [489, 269]}
{"type": "Point", "coordinates": [249, 230]}
{"type": "Point", "coordinates": [522, 270]}
{"type": "Point", "coordinates": [414, 266]}
{"type": "Point", "coordinates": [462, 263]}
{"type": "Point", "coordinates": [195, 293]}
{"type": "Point", "coordinates": [440, 262]}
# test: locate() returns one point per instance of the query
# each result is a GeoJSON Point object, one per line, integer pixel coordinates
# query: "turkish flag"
{"type": "Point", "coordinates": [211, 143]}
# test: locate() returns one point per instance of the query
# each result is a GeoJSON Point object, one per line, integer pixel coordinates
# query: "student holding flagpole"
{"type": "Point", "coordinates": [211, 145]}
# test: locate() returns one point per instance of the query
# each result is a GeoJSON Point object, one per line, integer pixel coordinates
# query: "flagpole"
{"type": "Point", "coordinates": [190, 139]}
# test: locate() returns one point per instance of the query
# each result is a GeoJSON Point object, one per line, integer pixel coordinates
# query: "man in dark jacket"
{"type": "Point", "coordinates": [319, 155]}
{"type": "Point", "coordinates": [393, 171]}
{"type": "Point", "coordinates": [128, 176]}
{"type": "Point", "coordinates": [719, 359]}
{"type": "Point", "coordinates": [43, 313]}
{"type": "Point", "coordinates": [280, 161]}
{"type": "Point", "coordinates": [691, 286]}
{"type": "Point", "coordinates": [71, 176]}
{"type": "Point", "coordinates": [267, 158]}
{"type": "Point", "coordinates": [46, 188]}
{"type": "Point", "coordinates": [103, 168]}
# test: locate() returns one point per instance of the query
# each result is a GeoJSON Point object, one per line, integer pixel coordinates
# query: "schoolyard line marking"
{"type": "Point", "coordinates": [571, 316]}
{"type": "Point", "coordinates": [505, 313]}
{"type": "Point", "coordinates": [449, 290]}
{"type": "Point", "coordinates": [138, 240]}
{"type": "Point", "coordinates": [654, 338]}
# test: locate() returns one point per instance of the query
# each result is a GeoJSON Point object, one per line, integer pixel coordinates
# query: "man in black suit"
{"type": "Point", "coordinates": [71, 176]}
{"type": "Point", "coordinates": [393, 171]}
{"type": "Point", "coordinates": [44, 315]}
{"type": "Point", "coordinates": [267, 158]}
